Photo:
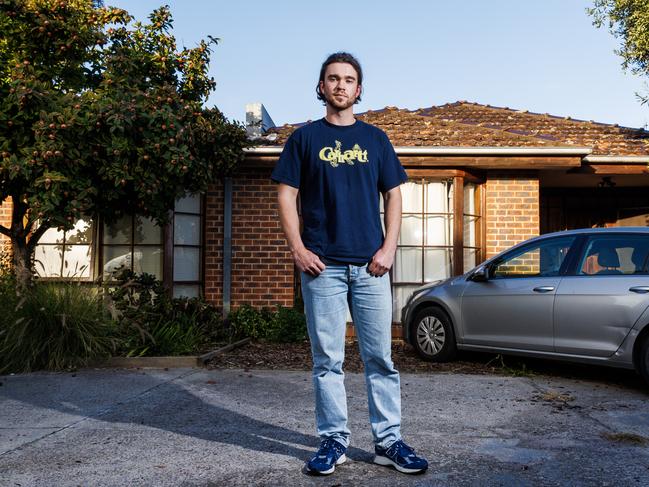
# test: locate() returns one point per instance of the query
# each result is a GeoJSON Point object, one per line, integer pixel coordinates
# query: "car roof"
{"type": "Point", "coordinates": [581, 231]}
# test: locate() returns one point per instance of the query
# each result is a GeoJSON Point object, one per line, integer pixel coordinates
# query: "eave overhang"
{"type": "Point", "coordinates": [534, 158]}
{"type": "Point", "coordinates": [451, 151]}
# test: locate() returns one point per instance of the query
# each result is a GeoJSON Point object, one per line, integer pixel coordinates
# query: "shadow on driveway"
{"type": "Point", "coordinates": [160, 401]}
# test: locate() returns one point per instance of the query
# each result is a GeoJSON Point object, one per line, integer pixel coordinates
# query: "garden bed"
{"type": "Point", "coordinates": [297, 356]}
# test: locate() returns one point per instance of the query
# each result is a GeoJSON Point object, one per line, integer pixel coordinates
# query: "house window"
{"type": "Point", "coordinates": [187, 236]}
{"type": "Point", "coordinates": [425, 247]}
{"type": "Point", "coordinates": [472, 227]}
{"type": "Point", "coordinates": [66, 254]}
{"type": "Point", "coordinates": [133, 242]}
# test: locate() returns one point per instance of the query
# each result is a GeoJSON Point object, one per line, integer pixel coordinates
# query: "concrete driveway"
{"type": "Point", "coordinates": [195, 427]}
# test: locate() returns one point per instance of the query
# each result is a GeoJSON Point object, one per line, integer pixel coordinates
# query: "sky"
{"type": "Point", "coordinates": [542, 56]}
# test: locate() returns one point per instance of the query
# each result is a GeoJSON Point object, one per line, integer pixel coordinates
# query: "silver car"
{"type": "Point", "coordinates": [578, 295]}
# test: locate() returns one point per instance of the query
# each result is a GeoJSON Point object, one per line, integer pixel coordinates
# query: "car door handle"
{"type": "Point", "coordinates": [543, 289]}
{"type": "Point", "coordinates": [639, 289]}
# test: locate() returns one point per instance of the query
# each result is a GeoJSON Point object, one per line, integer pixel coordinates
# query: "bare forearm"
{"type": "Point", "coordinates": [384, 257]}
{"type": "Point", "coordinates": [392, 219]}
{"type": "Point", "coordinates": [290, 222]}
{"type": "Point", "coordinates": [305, 260]}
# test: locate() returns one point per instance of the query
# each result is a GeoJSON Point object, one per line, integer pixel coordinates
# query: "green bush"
{"type": "Point", "coordinates": [247, 321]}
{"type": "Point", "coordinates": [54, 326]}
{"type": "Point", "coordinates": [151, 323]}
{"type": "Point", "coordinates": [287, 325]}
{"type": "Point", "coordinates": [279, 325]}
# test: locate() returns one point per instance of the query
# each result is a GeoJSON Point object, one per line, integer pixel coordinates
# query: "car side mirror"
{"type": "Point", "coordinates": [481, 274]}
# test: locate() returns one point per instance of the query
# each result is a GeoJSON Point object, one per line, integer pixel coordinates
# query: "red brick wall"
{"type": "Point", "coordinates": [262, 268]}
{"type": "Point", "coordinates": [213, 270]}
{"type": "Point", "coordinates": [512, 210]}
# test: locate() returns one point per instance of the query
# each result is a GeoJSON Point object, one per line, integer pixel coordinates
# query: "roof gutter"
{"type": "Point", "coordinates": [456, 151]}
{"type": "Point", "coordinates": [617, 159]}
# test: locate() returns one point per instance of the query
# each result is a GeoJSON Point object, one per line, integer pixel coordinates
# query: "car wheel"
{"type": "Point", "coordinates": [643, 362]}
{"type": "Point", "coordinates": [433, 336]}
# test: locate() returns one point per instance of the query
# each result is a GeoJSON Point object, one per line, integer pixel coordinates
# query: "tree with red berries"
{"type": "Point", "coordinates": [101, 116]}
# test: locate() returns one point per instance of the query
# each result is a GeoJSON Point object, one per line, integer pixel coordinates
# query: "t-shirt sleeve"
{"type": "Point", "coordinates": [287, 169]}
{"type": "Point", "coordinates": [391, 172]}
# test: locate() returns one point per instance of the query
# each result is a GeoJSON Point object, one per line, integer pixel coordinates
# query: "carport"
{"type": "Point", "coordinates": [603, 192]}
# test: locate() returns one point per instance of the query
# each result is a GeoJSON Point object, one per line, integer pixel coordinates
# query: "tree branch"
{"type": "Point", "coordinates": [36, 236]}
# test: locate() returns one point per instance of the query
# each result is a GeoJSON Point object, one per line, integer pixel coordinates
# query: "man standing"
{"type": "Point", "coordinates": [338, 165]}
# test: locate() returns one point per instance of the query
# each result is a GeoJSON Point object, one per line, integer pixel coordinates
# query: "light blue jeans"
{"type": "Point", "coordinates": [326, 298]}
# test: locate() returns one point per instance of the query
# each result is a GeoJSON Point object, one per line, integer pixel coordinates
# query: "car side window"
{"type": "Point", "coordinates": [615, 255]}
{"type": "Point", "coordinates": [542, 259]}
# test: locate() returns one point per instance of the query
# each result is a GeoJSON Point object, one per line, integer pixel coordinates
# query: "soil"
{"type": "Point", "coordinates": [297, 356]}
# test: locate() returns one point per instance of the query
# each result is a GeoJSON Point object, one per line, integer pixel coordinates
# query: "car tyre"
{"type": "Point", "coordinates": [643, 362]}
{"type": "Point", "coordinates": [433, 336]}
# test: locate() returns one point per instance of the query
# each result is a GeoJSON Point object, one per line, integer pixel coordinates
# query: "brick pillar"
{"type": "Point", "coordinates": [512, 209]}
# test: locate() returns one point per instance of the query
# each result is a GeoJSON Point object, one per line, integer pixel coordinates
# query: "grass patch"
{"type": "Point", "coordinates": [55, 326]}
{"type": "Point", "coordinates": [515, 370]}
{"type": "Point", "coordinates": [555, 396]}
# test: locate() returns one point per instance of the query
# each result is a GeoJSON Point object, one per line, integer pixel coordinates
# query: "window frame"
{"type": "Point", "coordinates": [479, 205]}
{"type": "Point", "coordinates": [448, 216]}
{"type": "Point", "coordinates": [169, 240]}
{"type": "Point", "coordinates": [456, 210]}
{"type": "Point", "coordinates": [167, 244]}
{"type": "Point", "coordinates": [99, 270]}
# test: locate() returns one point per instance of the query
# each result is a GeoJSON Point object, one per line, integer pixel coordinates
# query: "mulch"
{"type": "Point", "coordinates": [297, 356]}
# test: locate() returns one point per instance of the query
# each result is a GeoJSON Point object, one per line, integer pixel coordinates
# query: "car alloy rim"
{"type": "Point", "coordinates": [430, 335]}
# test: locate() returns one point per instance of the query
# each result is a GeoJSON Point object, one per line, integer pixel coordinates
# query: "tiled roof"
{"type": "Point", "coordinates": [605, 139]}
{"type": "Point", "coordinates": [464, 124]}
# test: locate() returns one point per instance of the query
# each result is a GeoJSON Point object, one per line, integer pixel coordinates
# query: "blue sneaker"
{"type": "Point", "coordinates": [400, 456]}
{"type": "Point", "coordinates": [330, 454]}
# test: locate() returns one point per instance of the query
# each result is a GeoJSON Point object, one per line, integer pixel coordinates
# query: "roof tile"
{"type": "Point", "coordinates": [466, 124]}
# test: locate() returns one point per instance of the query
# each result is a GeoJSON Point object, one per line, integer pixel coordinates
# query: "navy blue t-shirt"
{"type": "Point", "coordinates": [340, 171]}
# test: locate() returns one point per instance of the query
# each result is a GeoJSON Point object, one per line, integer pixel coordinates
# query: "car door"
{"type": "Point", "coordinates": [513, 307]}
{"type": "Point", "coordinates": [598, 304]}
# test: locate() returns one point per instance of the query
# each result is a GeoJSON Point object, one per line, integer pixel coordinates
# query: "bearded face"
{"type": "Point", "coordinates": [340, 86]}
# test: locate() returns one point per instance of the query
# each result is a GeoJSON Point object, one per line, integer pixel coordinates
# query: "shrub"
{"type": "Point", "coordinates": [287, 325]}
{"type": "Point", "coordinates": [247, 321]}
{"type": "Point", "coordinates": [152, 323]}
{"type": "Point", "coordinates": [280, 325]}
{"type": "Point", "coordinates": [54, 326]}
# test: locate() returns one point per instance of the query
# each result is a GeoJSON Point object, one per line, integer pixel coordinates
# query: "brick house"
{"type": "Point", "coordinates": [481, 179]}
